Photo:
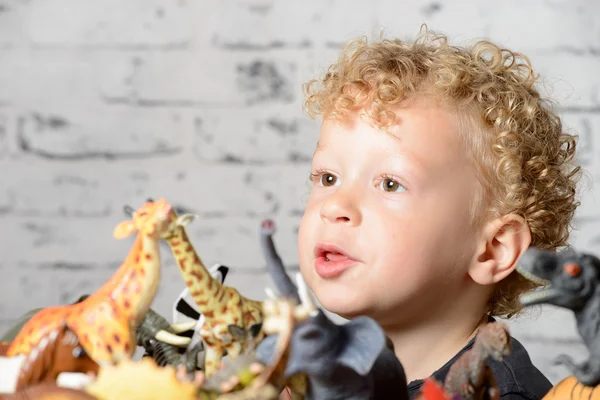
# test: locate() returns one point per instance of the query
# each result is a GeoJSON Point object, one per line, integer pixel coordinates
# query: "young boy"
{"type": "Point", "coordinates": [436, 168]}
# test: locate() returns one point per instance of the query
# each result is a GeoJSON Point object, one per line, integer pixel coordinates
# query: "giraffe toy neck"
{"type": "Point", "coordinates": [202, 285]}
{"type": "Point", "coordinates": [134, 285]}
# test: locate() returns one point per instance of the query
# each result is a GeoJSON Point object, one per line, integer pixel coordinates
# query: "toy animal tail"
{"type": "Point", "coordinates": [285, 286]}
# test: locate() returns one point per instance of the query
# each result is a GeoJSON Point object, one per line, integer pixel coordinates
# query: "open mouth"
{"type": "Point", "coordinates": [533, 278]}
{"type": "Point", "coordinates": [540, 296]}
{"type": "Point", "coordinates": [331, 253]}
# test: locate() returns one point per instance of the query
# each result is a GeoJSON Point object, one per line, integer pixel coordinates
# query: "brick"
{"type": "Point", "coordinates": [210, 79]}
{"type": "Point", "coordinates": [102, 133]}
{"type": "Point", "coordinates": [544, 352]}
{"type": "Point", "coordinates": [558, 25]}
{"type": "Point", "coordinates": [403, 20]}
{"type": "Point", "coordinates": [11, 22]}
{"type": "Point", "coordinates": [569, 79]}
{"type": "Point", "coordinates": [60, 241]}
{"type": "Point", "coordinates": [270, 25]}
{"type": "Point", "coordinates": [584, 125]}
{"type": "Point", "coordinates": [4, 134]}
{"type": "Point", "coordinates": [141, 24]}
{"type": "Point", "coordinates": [289, 25]}
{"type": "Point", "coordinates": [98, 189]}
{"type": "Point", "coordinates": [263, 80]}
{"type": "Point", "coordinates": [268, 136]}
{"type": "Point", "coordinates": [585, 236]}
{"type": "Point", "coordinates": [544, 322]}
{"type": "Point", "coordinates": [50, 80]}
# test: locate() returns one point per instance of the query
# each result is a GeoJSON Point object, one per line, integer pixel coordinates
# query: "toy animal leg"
{"type": "Point", "coordinates": [212, 359]}
{"type": "Point", "coordinates": [234, 349]}
{"type": "Point", "coordinates": [587, 373]}
{"type": "Point", "coordinates": [490, 389]}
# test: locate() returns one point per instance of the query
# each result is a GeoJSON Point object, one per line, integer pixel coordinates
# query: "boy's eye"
{"type": "Point", "coordinates": [328, 179]}
{"type": "Point", "coordinates": [391, 185]}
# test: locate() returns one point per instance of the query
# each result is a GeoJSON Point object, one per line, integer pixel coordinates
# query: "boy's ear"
{"type": "Point", "coordinates": [503, 242]}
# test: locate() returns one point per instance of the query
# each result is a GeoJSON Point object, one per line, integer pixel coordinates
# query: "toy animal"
{"type": "Point", "coordinates": [221, 305]}
{"type": "Point", "coordinates": [48, 391]}
{"type": "Point", "coordinates": [58, 352]}
{"type": "Point", "coordinates": [275, 265]}
{"type": "Point", "coordinates": [105, 322]}
{"type": "Point", "coordinates": [185, 310]}
{"type": "Point", "coordinates": [4, 348]}
{"type": "Point", "coordinates": [470, 377]}
{"type": "Point", "coordinates": [348, 361]}
{"type": "Point", "coordinates": [14, 330]}
{"type": "Point", "coordinates": [433, 390]}
{"type": "Point", "coordinates": [244, 377]}
{"type": "Point", "coordinates": [236, 373]}
{"type": "Point", "coordinates": [140, 380]}
{"type": "Point", "coordinates": [572, 281]}
{"type": "Point", "coordinates": [148, 336]}
{"type": "Point", "coordinates": [571, 389]}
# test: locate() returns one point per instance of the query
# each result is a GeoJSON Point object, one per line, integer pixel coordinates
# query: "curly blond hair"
{"type": "Point", "coordinates": [524, 159]}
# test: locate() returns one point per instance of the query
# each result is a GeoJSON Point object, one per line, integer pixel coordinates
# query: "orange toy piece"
{"type": "Point", "coordinates": [4, 348]}
{"type": "Point", "coordinates": [571, 389]}
{"type": "Point", "coordinates": [221, 305]}
{"type": "Point", "coordinates": [59, 352]}
{"type": "Point", "coordinates": [105, 322]}
{"type": "Point", "coordinates": [432, 390]}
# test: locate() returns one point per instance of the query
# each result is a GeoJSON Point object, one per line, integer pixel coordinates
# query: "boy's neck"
{"type": "Point", "coordinates": [425, 347]}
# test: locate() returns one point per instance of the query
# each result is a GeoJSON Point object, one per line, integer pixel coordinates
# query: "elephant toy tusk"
{"type": "Point", "coordinates": [169, 338]}
{"type": "Point", "coordinates": [183, 326]}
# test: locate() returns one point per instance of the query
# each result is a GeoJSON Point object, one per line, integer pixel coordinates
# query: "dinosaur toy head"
{"type": "Point", "coordinates": [569, 277]}
{"type": "Point", "coordinates": [153, 219]}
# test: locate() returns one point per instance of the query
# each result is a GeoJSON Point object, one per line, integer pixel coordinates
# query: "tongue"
{"type": "Point", "coordinates": [335, 257]}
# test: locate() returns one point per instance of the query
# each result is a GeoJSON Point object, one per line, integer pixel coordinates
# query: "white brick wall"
{"type": "Point", "coordinates": [107, 103]}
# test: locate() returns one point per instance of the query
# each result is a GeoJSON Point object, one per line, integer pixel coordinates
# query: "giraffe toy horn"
{"type": "Point", "coordinates": [128, 210]}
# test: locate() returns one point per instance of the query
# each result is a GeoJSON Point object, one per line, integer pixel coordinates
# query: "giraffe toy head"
{"type": "Point", "coordinates": [174, 220]}
{"type": "Point", "coordinates": [153, 219]}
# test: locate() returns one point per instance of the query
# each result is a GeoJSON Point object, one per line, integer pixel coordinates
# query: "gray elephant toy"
{"type": "Point", "coordinates": [350, 361]}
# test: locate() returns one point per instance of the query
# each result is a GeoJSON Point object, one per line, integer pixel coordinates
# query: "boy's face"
{"type": "Point", "coordinates": [386, 227]}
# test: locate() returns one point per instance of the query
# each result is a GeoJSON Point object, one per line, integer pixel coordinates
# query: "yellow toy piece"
{"type": "Point", "coordinates": [571, 389]}
{"type": "Point", "coordinates": [143, 379]}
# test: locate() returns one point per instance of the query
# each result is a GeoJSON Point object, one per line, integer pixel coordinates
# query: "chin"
{"type": "Point", "coordinates": [338, 302]}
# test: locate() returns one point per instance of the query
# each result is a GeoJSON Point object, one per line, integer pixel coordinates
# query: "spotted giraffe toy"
{"type": "Point", "coordinates": [221, 305]}
{"type": "Point", "coordinates": [105, 322]}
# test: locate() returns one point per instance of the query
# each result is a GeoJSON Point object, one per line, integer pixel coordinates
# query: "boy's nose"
{"type": "Point", "coordinates": [341, 207]}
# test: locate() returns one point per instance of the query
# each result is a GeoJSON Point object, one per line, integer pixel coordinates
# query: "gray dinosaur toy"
{"type": "Point", "coordinates": [350, 361]}
{"type": "Point", "coordinates": [572, 281]}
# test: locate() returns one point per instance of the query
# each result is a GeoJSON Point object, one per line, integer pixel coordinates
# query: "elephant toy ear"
{"type": "Point", "coordinates": [364, 342]}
